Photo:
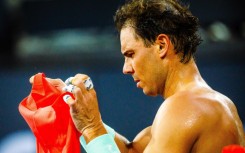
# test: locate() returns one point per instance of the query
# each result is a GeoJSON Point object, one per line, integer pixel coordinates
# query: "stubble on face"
{"type": "Point", "coordinates": [143, 61]}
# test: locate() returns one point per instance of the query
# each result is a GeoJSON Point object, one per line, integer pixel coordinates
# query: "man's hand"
{"type": "Point", "coordinates": [84, 109]}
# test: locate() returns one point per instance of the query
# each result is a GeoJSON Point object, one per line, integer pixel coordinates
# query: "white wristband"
{"type": "Point", "coordinates": [103, 144]}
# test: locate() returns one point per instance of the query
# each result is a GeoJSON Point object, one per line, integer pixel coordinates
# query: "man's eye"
{"type": "Point", "coordinates": [130, 55]}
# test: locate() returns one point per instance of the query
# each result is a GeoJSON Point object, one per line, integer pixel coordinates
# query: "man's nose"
{"type": "Point", "coordinates": [127, 68]}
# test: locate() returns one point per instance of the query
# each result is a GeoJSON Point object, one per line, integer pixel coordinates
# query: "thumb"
{"type": "Point", "coordinates": [68, 99]}
{"type": "Point", "coordinates": [31, 80]}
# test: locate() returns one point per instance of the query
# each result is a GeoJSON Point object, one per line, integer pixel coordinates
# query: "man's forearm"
{"type": "Point", "coordinates": [122, 143]}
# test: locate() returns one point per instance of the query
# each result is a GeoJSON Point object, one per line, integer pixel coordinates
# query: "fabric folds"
{"type": "Point", "coordinates": [49, 118]}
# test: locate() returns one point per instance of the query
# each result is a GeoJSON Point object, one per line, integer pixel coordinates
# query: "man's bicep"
{"type": "Point", "coordinates": [173, 132]}
{"type": "Point", "coordinates": [162, 146]}
{"type": "Point", "coordinates": [169, 140]}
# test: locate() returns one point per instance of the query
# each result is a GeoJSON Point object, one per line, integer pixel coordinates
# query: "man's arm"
{"type": "Point", "coordinates": [86, 116]}
{"type": "Point", "coordinates": [175, 128]}
{"type": "Point", "coordinates": [122, 143]}
{"type": "Point", "coordinates": [139, 143]}
{"type": "Point", "coordinates": [87, 119]}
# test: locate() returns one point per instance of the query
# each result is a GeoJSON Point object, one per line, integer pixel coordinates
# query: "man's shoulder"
{"type": "Point", "coordinates": [179, 120]}
{"type": "Point", "coordinates": [194, 108]}
{"type": "Point", "coordinates": [199, 101]}
{"type": "Point", "coordinates": [190, 115]}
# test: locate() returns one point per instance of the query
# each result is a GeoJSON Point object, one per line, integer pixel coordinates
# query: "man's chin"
{"type": "Point", "coordinates": [149, 93]}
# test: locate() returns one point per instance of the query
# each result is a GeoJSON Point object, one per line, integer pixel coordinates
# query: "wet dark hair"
{"type": "Point", "coordinates": [149, 18]}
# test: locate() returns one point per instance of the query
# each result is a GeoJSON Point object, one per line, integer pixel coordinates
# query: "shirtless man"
{"type": "Point", "coordinates": [158, 39]}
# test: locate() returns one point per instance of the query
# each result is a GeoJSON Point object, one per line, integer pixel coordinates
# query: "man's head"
{"type": "Point", "coordinates": [149, 18]}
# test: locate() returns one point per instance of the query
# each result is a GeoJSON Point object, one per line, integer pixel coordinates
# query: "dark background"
{"type": "Point", "coordinates": [123, 106]}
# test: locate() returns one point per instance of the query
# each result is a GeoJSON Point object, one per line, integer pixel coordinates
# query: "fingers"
{"type": "Point", "coordinates": [31, 80]}
{"type": "Point", "coordinates": [79, 85]}
{"type": "Point", "coordinates": [80, 80]}
{"type": "Point", "coordinates": [69, 88]}
{"type": "Point", "coordinates": [69, 81]}
{"type": "Point", "coordinates": [68, 99]}
{"type": "Point", "coordinates": [82, 100]}
{"type": "Point", "coordinates": [88, 84]}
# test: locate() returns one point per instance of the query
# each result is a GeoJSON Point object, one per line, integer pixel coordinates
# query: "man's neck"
{"type": "Point", "coordinates": [180, 76]}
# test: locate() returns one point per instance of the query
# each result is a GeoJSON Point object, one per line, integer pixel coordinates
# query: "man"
{"type": "Point", "coordinates": [158, 40]}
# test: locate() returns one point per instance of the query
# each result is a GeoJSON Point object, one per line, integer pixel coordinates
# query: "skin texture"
{"type": "Point", "coordinates": [194, 118]}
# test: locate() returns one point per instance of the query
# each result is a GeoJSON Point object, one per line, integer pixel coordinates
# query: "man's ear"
{"type": "Point", "coordinates": [163, 41]}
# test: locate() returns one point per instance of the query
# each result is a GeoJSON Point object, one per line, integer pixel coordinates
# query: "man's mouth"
{"type": "Point", "coordinates": [137, 83]}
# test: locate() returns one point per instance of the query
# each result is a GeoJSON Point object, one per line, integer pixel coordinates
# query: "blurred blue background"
{"type": "Point", "coordinates": [64, 37]}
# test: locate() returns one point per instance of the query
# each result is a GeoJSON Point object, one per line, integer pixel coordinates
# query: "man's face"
{"type": "Point", "coordinates": [140, 61]}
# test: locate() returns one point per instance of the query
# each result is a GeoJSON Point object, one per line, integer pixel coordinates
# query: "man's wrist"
{"type": "Point", "coordinates": [102, 144]}
{"type": "Point", "coordinates": [109, 130]}
{"type": "Point", "coordinates": [92, 132]}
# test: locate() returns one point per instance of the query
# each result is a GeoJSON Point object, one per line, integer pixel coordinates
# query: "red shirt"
{"type": "Point", "coordinates": [233, 149]}
{"type": "Point", "coordinates": [49, 118]}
